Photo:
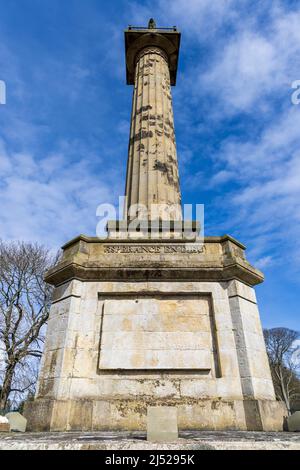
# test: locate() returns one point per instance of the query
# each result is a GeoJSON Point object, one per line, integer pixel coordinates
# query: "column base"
{"type": "Point", "coordinates": [131, 414]}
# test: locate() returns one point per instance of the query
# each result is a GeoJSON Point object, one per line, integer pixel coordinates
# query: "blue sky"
{"type": "Point", "coordinates": [64, 129]}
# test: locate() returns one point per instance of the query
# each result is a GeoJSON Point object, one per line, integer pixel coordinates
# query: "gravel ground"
{"type": "Point", "coordinates": [118, 440]}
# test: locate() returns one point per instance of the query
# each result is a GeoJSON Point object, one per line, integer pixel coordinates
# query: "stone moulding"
{"type": "Point", "coordinates": [220, 259]}
{"type": "Point", "coordinates": [139, 321]}
{"type": "Point", "coordinates": [165, 296]}
{"type": "Point", "coordinates": [201, 414]}
{"type": "Point", "coordinates": [135, 40]}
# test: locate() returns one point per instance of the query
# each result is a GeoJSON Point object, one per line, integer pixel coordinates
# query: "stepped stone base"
{"type": "Point", "coordinates": [104, 415]}
{"type": "Point", "coordinates": [154, 323]}
{"type": "Point", "coordinates": [136, 440]}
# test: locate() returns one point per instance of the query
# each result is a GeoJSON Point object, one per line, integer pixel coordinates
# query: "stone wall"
{"type": "Point", "coordinates": [85, 384]}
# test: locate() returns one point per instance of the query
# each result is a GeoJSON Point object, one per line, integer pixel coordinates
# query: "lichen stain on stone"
{"type": "Point", "coordinates": [126, 407]}
{"type": "Point", "coordinates": [171, 159]}
{"type": "Point", "coordinates": [215, 405]}
{"type": "Point", "coordinates": [46, 386]}
{"type": "Point", "coordinates": [143, 108]}
{"type": "Point", "coordinates": [169, 123]}
{"type": "Point", "coordinates": [53, 361]}
{"type": "Point", "coordinates": [160, 166]}
{"type": "Point", "coordinates": [141, 135]}
{"type": "Point", "coordinates": [168, 171]}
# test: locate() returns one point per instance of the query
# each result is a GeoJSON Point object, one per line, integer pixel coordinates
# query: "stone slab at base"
{"type": "Point", "coordinates": [17, 421]}
{"type": "Point", "coordinates": [161, 323]}
{"type": "Point", "coordinates": [293, 422]}
{"type": "Point", "coordinates": [4, 427]}
{"type": "Point", "coordinates": [206, 414]}
{"type": "Point", "coordinates": [4, 424]}
{"type": "Point", "coordinates": [162, 423]}
{"type": "Point", "coordinates": [188, 440]}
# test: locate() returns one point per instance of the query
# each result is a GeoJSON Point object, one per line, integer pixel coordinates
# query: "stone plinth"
{"type": "Point", "coordinates": [139, 321]}
{"type": "Point", "coordinates": [128, 440]}
{"type": "Point", "coordinates": [4, 424]}
{"type": "Point", "coordinates": [293, 422]}
{"type": "Point", "coordinates": [154, 323]}
{"type": "Point", "coordinates": [17, 421]}
{"type": "Point", "coordinates": [162, 423]}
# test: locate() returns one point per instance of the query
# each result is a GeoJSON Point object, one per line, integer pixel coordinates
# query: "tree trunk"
{"type": "Point", "coordinates": [284, 393]}
{"type": "Point", "coordinates": [6, 386]}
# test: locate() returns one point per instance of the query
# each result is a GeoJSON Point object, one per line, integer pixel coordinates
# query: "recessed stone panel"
{"type": "Point", "coordinates": [159, 332]}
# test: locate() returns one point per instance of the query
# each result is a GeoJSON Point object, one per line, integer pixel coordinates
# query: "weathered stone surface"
{"type": "Point", "coordinates": [195, 314]}
{"type": "Point", "coordinates": [126, 440]}
{"type": "Point", "coordinates": [152, 175]}
{"type": "Point", "coordinates": [156, 333]}
{"type": "Point", "coordinates": [293, 422]}
{"type": "Point", "coordinates": [153, 321]}
{"type": "Point", "coordinates": [125, 412]}
{"type": "Point", "coordinates": [17, 421]}
{"type": "Point", "coordinates": [91, 258]}
{"type": "Point", "coordinates": [4, 424]}
{"type": "Point", "coordinates": [162, 423]}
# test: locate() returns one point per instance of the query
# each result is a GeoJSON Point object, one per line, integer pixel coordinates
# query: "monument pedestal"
{"type": "Point", "coordinates": [154, 323]}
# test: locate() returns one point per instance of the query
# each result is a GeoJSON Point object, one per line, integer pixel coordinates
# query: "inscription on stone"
{"type": "Point", "coordinates": [154, 249]}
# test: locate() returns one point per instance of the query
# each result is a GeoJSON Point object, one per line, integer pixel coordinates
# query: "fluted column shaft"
{"type": "Point", "coordinates": [152, 169]}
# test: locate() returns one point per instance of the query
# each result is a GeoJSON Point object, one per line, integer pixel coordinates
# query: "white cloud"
{"type": "Point", "coordinates": [249, 74]}
{"type": "Point", "coordinates": [244, 73]}
{"type": "Point", "coordinates": [237, 61]}
{"type": "Point", "coordinates": [50, 199]}
{"type": "Point", "coordinates": [255, 62]}
{"type": "Point", "coordinates": [197, 18]}
{"type": "Point", "coordinates": [266, 205]}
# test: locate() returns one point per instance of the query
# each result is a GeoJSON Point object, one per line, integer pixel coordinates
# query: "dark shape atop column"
{"type": "Point", "coordinates": [151, 24]}
{"type": "Point", "coordinates": [136, 38]}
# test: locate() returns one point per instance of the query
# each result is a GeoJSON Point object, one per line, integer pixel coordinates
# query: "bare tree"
{"type": "Point", "coordinates": [24, 310]}
{"type": "Point", "coordinates": [284, 353]}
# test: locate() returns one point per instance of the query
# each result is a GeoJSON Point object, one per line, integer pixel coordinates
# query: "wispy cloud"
{"type": "Point", "coordinates": [50, 199]}
{"type": "Point", "coordinates": [233, 104]}
{"type": "Point", "coordinates": [64, 133]}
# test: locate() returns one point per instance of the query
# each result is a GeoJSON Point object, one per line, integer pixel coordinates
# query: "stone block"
{"type": "Point", "coordinates": [17, 421]}
{"type": "Point", "coordinates": [293, 422]}
{"type": "Point", "coordinates": [162, 423]}
{"type": "Point", "coordinates": [264, 415]}
{"type": "Point", "coordinates": [155, 359]}
{"type": "Point", "coordinates": [38, 414]}
{"type": "Point", "coordinates": [60, 415]}
{"type": "Point", "coordinates": [263, 388]}
{"type": "Point", "coordinates": [80, 416]}
{"type": "Point", "coordinates": [4, 424]}
{"type": "Point", "coordinates": [236, 288]}
{"type": "Point", "coordinates": [163, 332]}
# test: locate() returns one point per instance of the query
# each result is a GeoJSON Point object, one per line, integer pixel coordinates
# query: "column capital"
{"type": "Point", "coordinates": [137, 38]}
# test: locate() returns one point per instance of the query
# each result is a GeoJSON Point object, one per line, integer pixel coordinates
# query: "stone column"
{"type": "Point", "coordinates": [152, 170]}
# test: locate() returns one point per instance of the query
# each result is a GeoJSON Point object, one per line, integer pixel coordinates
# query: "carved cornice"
{"type": "Point", "coordinates": [93, 259]}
